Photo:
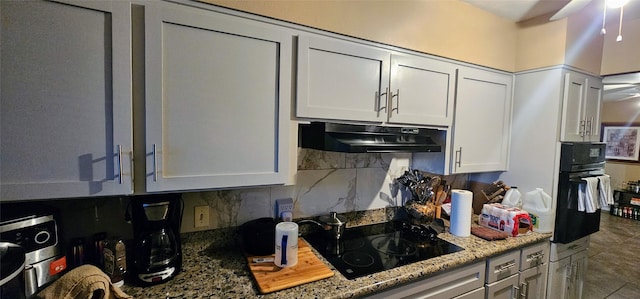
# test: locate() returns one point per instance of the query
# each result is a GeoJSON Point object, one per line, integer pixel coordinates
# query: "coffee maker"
{"type": "Point", "coordinates": [156, 252]}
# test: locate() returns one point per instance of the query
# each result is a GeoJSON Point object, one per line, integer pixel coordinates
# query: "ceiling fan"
{"type": "Point", "coordinates": [571, 7]}
{"type": "Point", "coordinates": [576, 5]}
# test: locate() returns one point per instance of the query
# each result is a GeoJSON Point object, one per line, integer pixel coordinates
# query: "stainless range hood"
{"type": "Point", "coordinates": [368, 139]}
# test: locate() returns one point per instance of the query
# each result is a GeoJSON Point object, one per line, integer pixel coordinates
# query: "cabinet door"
{"type": "Point", "coordinates": [573, 123]}
{"type": "Point", "coordinates": [592, 108]}
{"type": "Point", "coordinates": [482, 122]}
{"type": "Point", "coordinates": [341, 80]}
{"type": "Point", "coordinates": [579, 263]}
{"type": "Point", "coordinates": [421, 91]}
{"type": "Point", "coordinates": [533, 282]}
{"type": "Point", "coordinates": [581, 108]}
{"type": "Point", "coordinates": [65, 99]}
{"type": "Point", "coordinates": [559, 284]}
{"type": "Point", "coordinates": [503, 289]}
{"type": "Point", "coordinates": [217, 100]}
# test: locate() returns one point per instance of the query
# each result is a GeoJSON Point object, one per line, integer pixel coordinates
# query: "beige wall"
{"type": "Point", "coordinates": [540, 43]}
{"type": "Point", "coordinates": [448, 28]}
{"type": "Point", "coordinates": [622, 57]}
{"type": "Point", "coordinates": [584, 41]}
{"type": "Point", "coordinates": [575, 41]}
{"type": "Point", "coordinates": [457, 30]}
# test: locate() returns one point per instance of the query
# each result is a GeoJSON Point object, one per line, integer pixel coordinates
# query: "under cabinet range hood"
{"type": "Point", "coordinates": [350, 138]}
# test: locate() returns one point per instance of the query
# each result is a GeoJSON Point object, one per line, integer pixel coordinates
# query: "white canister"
{"type": "Point", "coordinates": [286, 244]}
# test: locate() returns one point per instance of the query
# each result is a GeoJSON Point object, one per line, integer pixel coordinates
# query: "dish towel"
{"type": "Point", "coordinates": [588, 196]}
{"type": "Point", "coordinates": [606, 194]}
{"type": "Point", "coordinates": [84, 282]}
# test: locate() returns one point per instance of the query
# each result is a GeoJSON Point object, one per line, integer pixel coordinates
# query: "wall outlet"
{"type": "Point", "coordinates": [201, 216]}
{"type": "Point", "coordinates": [284, 209]}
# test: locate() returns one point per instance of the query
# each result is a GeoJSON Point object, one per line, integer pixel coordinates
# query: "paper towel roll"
{"type": "Point", "coordinates": [461, 211]}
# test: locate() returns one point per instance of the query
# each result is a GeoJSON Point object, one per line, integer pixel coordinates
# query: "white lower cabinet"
{"type": "Point", "coordinates": [533, 282]}
{"type": "Point", "coordinates": [458, 282]}
{"type": "Point", "coordinates": [519, 274]}
{"type": "Point", "coordinates": [567, 269]}
{"type": "Point", "coordinates": [506, 288]}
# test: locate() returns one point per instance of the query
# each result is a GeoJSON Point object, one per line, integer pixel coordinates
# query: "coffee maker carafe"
{"type": "Point", "coordinates": [157, 251]}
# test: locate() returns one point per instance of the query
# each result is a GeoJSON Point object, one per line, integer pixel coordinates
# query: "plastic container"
{"type": "Point", "coordinates": [512, 198]}
{"type": "Point", "coordinates": [538, 204]}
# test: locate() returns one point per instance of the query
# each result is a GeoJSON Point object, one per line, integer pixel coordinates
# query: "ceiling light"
{"type": "Point", "coordinates": [616, 3]}
{"type": "Point", "coordinates": [613, 4]}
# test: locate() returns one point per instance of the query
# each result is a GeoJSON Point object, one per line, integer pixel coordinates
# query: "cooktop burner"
{"type": "Point", "coordinates": [373, 248]}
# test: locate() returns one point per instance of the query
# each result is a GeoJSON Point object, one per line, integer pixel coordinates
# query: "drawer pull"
{"type": "Point", "coordinates": [505, 267]}
{"type": "Point", "coordinates": [536, 257]}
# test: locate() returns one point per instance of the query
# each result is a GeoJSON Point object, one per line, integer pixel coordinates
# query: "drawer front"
{"type": "Point", "coordinates": [503, 266]}
{"type": "Point", "coordinates": [533, 256]}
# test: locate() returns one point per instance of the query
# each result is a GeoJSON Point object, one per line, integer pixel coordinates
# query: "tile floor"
{"type": "Point", "coordinates": [614, 260]}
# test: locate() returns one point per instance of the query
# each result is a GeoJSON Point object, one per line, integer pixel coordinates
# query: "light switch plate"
{"type": "Point", "coordinates": [201, 216]}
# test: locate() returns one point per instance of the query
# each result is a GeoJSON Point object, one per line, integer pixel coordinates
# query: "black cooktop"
{"type": "Point", "coordinates": [373, 248]}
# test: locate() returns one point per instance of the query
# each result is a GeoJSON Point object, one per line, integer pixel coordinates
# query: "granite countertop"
{"type": "Point", "coordinates": [212, 270]}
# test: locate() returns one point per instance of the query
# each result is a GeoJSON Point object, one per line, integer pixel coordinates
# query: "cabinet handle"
{"type": "Point", "coordinates": [536, 257]}
{"type": "Point", "coordinates": [379, 97]}
{"type": "Point", "coordinates": [120, 164]}
{"type": "Point", "coordinates": [516, 292]}
{"type": "Point", "coordinates": [458, 160]}
{"type": "Point", "coordinates": [591, 127]}
{"type": "Point", "coordinates": [583, 128]}
{"type": "Point", "coordinates": [155, 163]}
{"type": "Point", "coordinates": [397, 96]}
{"type": "Point", "coordinates": [587, 129]}
{"type": "Point", "coordinates": [505, 266]}
{"type": "Point", "coordinates": [525, 290]}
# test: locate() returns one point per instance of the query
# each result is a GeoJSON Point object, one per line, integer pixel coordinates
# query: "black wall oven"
{"type": "Point", "coordinates": [578, 160]}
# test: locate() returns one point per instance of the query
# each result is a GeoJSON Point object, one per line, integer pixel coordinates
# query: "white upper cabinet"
{"type": "Point", "coordinates": [581, 107]}
{"type": "Point", "coordinates": [65, 99]}
{"type": "Point", "coordinates": [217, 100]}
{"type": "Point", "coordinates": [482, 121]}
{"type": "Point", "coordinates": [422, 91]}
{"type": "Point", "coordinates": [342, 80]}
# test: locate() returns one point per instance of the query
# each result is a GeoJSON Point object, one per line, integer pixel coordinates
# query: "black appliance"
{"type": "Point", "coordinates": [578, 160]}
{"type": "Point", "coordinates": [368, 249]}
{"type": "Point", "coordinates": [157, 251]}
{"type": "Point", "coordinates": [369, 138]}
{"type": "Point", "coordinates": [12, 262]}
{"type": "Point", "coordinates": [35, 228]}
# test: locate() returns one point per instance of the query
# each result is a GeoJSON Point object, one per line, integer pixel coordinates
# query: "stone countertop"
{"type": "Point", "coordinates": [211, 271]}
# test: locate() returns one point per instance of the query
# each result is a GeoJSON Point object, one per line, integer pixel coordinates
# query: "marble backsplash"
{"type": "Point", "coordinates": [325, 181]}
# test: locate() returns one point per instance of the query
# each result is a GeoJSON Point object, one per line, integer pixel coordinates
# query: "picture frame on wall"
{"type": "Point", "coordinates": [623, 141]}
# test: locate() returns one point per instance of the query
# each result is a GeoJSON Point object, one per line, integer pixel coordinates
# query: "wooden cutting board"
{"type": "Point", "coordinates": [271, 278]}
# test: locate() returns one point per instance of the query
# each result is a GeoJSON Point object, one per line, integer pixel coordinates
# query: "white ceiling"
{"type": "Point", "coordinates": [519, 10]}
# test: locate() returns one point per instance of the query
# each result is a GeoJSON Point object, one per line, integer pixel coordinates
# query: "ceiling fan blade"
{"type": "Point", "coordinates": [570, 8]}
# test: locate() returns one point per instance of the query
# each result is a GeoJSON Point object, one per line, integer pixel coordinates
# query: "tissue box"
{"type": "Point", "coordinates": [514, 221]}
